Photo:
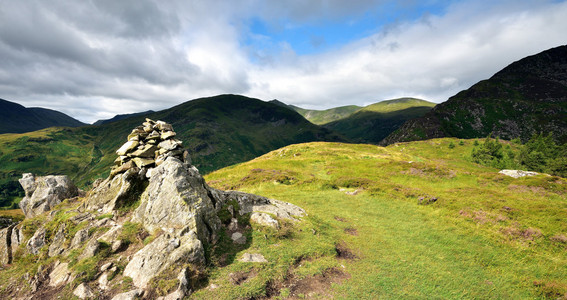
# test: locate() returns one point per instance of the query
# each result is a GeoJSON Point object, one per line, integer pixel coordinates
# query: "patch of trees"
{"type": "Point", "coordinates": [539, 154]}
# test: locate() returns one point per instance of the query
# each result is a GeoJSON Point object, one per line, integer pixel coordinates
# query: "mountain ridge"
{"type": "Point", "coordinates": [527, 97]}
{"type": "Point", "coordinates": [15, 118]}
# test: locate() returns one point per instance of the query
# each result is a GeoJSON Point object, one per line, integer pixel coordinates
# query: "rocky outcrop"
{"type": "Point", "coordinates": [517, 173]}
{"type": "Point", "coordinates": [44, 192]}
{"type": "Point", "coordinates": [6, 245]}
{"type": "Point", "coordinates": [153, 192]}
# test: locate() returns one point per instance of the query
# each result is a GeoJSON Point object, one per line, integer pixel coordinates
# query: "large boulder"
{"type": "Point", "coordinates": [6, 245]}
{"type": "Point", "coordinates": [176, 198]}
{"type": "Point", "coordinates": [44, 192]}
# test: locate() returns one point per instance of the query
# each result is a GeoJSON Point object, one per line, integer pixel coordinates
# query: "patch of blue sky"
{"type": "Point", "coordinates": [315, 36]}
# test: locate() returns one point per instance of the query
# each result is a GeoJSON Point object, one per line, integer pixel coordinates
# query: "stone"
{"type": "Point", "coordinates": [148, 151]}
{"type": "Point", "coordinates": [168, 145]}
{"type": "Point", "coordinates": [116, 246]}
{"type": "Point", "coordinates": [238, 238]}
{"type": "Point", "coordinates": [159, 255]}
{"type": "Point", "coordinates": [131, 295]}
{"type": "Point", "coordinates": [163, 126]}
{"type": "Point", "coordinates": [254, 257]}
{"type": "Point", "coordinates": [6, 245]}
{"type": "Point", "coordinates": [518, 173]}
{"type": "Point", "coordinates": [264, 219]}
{"type": "Point", "coordinates": [92, 248]}
{"type": "Point", "coordinates": [122, 168]}
{"type": "Point", "coordinates": [233, 224]}
{"type": "Point", "coordinates": [115, 192]}
{"type": "Point", "coordinates": [176, 197]}
{"type": "Point", "coordinates": [83, 291]}
{"type": "Point", "coordinates": [103, 282]}
{"type": "Point", "coordinates": [143, 162]}
{"type": "Point", "coordinates": [45, 192]}
{"type": "Point", "coordinates": [80, 237]}
{"type": "Point", "coordinates": [106, 266]}
{"type": "Point", "coordinates": [167, 135]}
{"type": "Point", "coordinates": [127, 147]}
{"type": "Point", "coordinates": [57, 245]}
{"type": "Point", "coordinates": [17, 237]}
{"type": "Point", "coordinates": [37, 241]}
{"type": "Point", "coordinates": [60, 275]}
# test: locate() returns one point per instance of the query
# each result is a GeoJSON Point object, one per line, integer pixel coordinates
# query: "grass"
{"type": "Point", "coordinates": [485, 236]}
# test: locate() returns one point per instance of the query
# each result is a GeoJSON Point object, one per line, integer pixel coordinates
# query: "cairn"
{"type": "Point", "coordinates": [149, 146]}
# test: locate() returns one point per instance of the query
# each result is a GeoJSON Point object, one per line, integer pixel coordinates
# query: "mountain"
{"type": "Point", "coordinates": [217, 131]}
{"type": "Point", "coordinates": [527, 97]}
{"type": "Point", "coordinates": [122, 117]}
{"type": "Point", "coordinates": [374, 122]}
{"type": "Point", "coordinates": [321, 117]}
{"type": "Point", "coordinates": [15, 118]}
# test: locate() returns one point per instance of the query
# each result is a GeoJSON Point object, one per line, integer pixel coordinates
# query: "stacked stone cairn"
{"type": "Point", "coordinates": [148, 146]}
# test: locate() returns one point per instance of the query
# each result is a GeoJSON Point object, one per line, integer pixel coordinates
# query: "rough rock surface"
{"type": "Point", "coordinates": [177, 197]}
{"type": "Point", "coordinates": [6, 245]}
{"type": "Point", "coordinates": [253, 257]}
{"type": "Point", "coordinates": [153, 192]}
{"type": "Point", "coordinates": [43, 193]}
{"type": "Point", "coordinates": [164, 251]}
{"type": "Point", "coordinates": [518, 173]}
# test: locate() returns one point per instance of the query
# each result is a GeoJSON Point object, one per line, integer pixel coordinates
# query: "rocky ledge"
{"type": "Point", "coordinates": [151, 217]}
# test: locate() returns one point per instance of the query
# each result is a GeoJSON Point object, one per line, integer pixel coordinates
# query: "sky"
{"type": "Point", "coordinates": [94, 59]}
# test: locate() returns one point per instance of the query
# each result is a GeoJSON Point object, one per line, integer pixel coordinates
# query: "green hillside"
{"type": "Point", "coordinates": [415, 220]}
{"type": "Point", "coordinates": [218, 131]}
{"type": "Point", "coordinates": [374, 122]}
{"type": "Point", "coordinates": [321, 117]}
{"type": "Point", "coordinates": [527, 97]}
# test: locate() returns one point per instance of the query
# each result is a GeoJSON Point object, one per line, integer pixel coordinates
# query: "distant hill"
{"type": "Point", "coordinates": [374, 122]}
{"type": "Point", "coordinates": [122, 117]}
{"type": "Point", "coordinates": [321, 117]}
{"type": "Point", "coordinates": [218, 131]}
{"type": "Point", "coordinates": [527, 97]}
{"type": "Point", "coordinates": [15, 118]}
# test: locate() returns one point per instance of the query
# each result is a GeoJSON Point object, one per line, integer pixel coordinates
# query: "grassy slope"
{"type": "Point", "coordinates": [487, 235]}
{"type": "Point", "coordinates": [218, 131]}
{"type": "Point", "coordinates": [321, 117]}
{"type": "Point", "coordinates": [374, 122]}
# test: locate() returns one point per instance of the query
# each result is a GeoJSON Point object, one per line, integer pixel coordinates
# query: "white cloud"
{"type": "Point", "coordinates": [96, 59]}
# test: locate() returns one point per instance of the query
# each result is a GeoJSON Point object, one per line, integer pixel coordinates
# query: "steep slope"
{"type": "Point", "coordinates": [15, 118]}
{"type": "Point", "coordinates": [218, 131]}
{"type": "Point", "coordinates": [374, 122]}
{"type": "Point", "coordinates": [527, 97]}
{"type": "Point", "coordinates": [122, 117]}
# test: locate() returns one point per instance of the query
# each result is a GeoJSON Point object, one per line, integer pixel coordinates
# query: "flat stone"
{"type": "Point", "coordinates": [167, 135]}
{"type": "Point", "coordinates": [169, 145]}
{"type": "Point", "coordinates": [518, 173]}
{"type": "Point", "coordinates": [131, 295]}
{"type": "Point", "coordinates": [238, 238]}
{"type": "Point", "coordinates": [147, 151]}
{"type": "Point", "coordinates": [264, 219]}
{"type": "Point", "coordinates": [127, 147]}
{"type": "Point", "coordinates": [253, 257]}
{"type": "Point", "coordinates": [143, 162]}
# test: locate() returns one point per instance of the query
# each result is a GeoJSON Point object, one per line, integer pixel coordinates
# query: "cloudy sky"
{"type": "Point", "coordinates": [93, 59]}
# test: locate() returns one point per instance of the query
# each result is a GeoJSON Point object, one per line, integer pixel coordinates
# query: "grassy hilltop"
{"type": "Point", "coordinates": [415, 220]}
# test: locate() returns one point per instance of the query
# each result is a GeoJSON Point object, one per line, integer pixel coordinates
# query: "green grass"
{"type": "Point", "coordinates": [486, 235]}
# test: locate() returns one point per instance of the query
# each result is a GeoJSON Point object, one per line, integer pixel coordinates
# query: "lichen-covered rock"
{"type": "Point", "coordinates": [163, 252]}
{"type": "Point", "coordinates": [44, 192]}
{"type": "Point", "coordinates": [115, 192]}
{"type": "Point", "coordinates": [518, 173]}
{"type": "Point", "coordinates": [6, 245]}
{"type": "Point", "coordinates": [57, 245]}
{"type": "Point", "coordinates": [37, 241]}
{"type": "Point", "coordinates": [83, 291]}
{"type": "Point", "coordinates": [176, 197]}
{"type": "Point", "coordinates": [60, 275]}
